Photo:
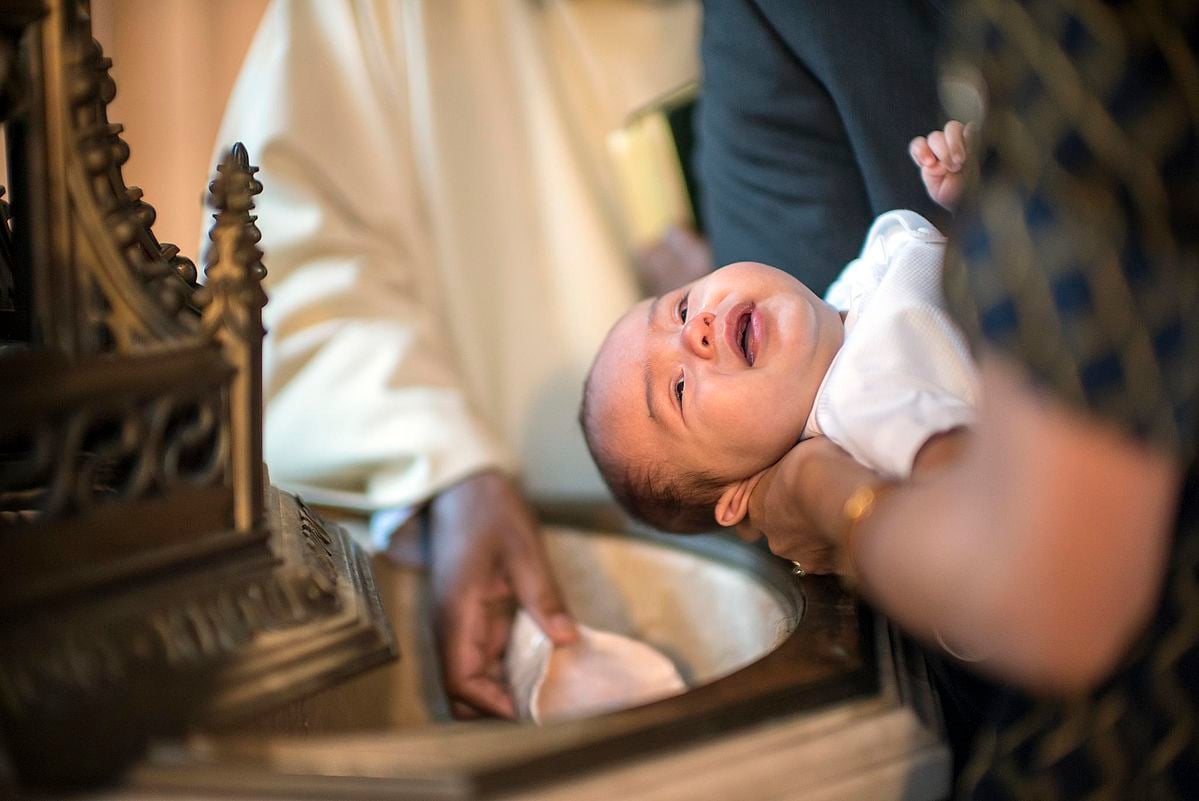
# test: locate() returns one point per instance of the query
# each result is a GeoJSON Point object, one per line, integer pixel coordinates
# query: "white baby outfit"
{"type": "Point", "coordinates": [904, 372]}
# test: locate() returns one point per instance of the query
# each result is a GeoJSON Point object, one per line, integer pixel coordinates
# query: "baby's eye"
{"type": "Point", "coordinates": [678, 390]}
{"type": "Point", "coordinates": [683, 307]}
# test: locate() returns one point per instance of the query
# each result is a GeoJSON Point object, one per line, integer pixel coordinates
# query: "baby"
{"type": "Point", "coordinates": [695, 393]}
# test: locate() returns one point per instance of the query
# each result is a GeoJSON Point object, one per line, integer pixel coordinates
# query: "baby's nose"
{"type": "Point", "coordinates": [699, 333]}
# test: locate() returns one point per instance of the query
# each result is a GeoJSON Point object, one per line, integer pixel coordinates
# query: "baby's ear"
{"type": "Point", "coordinates": [733, 505]}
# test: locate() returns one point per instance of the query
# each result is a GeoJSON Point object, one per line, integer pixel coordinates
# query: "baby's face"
{"type": "Point", "coordinates": [716, 377]}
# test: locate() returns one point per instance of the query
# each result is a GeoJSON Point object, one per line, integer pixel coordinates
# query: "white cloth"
{"type": "Point", "coordinates": [443, 246]}
{"type": "Point", "coordinates": [601, 672]}
{"type": "Point", "coordinates": [904, 372]}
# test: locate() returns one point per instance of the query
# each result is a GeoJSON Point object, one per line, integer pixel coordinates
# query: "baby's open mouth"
{"type": "Point", "coordinates": [740, 334]}
{"type": "Point", "coordinates": [743, 325]}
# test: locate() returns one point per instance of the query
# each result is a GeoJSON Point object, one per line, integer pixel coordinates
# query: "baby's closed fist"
{"type": "Point", "coordinates": [942, 157]}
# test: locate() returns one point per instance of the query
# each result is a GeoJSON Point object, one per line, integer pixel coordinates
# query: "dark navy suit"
{"type": "Point", "coordinates": [806, 111]}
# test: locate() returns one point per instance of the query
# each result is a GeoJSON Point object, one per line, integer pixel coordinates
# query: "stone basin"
{"type": "Point", "coordinates": [765, 655]}
{"type": "Point", "coordinates": [712, 613]}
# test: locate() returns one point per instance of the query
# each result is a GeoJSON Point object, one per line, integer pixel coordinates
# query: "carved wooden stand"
{"type": "Point", "coordinates": [151, 577]}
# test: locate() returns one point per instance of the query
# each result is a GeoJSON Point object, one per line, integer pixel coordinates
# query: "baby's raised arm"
{"type": "Point", "coordinates": [942, 157]}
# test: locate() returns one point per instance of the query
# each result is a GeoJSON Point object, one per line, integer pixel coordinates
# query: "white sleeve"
{"type": "Point", "coordinates": [905, 372]}
{"type": "Point", "coordinates": [857, 276]}
{"type": "Point", "coordinates": [363, 401]}
{"type": "Point", "coordinates": [883, 411]}
{"type": "Point", "coordinates": [890, 233]}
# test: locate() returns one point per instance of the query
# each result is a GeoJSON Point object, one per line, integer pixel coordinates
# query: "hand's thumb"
{"type": "Point", "coordinates": [541, 598]}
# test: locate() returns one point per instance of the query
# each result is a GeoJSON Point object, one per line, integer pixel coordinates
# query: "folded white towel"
{"type": "Point", "coordinates": [601, 672]}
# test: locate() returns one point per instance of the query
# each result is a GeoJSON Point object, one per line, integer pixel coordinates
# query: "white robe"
{"type": "Point", "coordinates": [443, 240]}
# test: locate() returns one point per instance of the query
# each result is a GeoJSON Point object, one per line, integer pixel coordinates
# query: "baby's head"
{"type": "Point", "coordinates": [695, 392]}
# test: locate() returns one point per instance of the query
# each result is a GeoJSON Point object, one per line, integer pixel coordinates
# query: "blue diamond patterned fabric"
{"type": "Point", "coordinates": [1077, 254]}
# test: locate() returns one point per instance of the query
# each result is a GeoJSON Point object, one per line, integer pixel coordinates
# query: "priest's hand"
{"type": "Point", "coordinates": [488, 558]}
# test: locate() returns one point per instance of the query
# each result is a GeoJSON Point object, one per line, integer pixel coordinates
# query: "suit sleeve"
{"type": "Point", "coordinates": [805, 116]}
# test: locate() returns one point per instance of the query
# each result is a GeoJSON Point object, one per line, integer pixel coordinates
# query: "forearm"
{"type": "Point", "coordinates": [1041, 549]}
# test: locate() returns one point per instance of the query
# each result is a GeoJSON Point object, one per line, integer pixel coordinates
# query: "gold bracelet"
{"type": "Point", "coordinates": [859, 506]}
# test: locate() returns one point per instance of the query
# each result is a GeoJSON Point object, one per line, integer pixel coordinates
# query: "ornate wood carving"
{"type": "Point", "coordinates": [152, 577]}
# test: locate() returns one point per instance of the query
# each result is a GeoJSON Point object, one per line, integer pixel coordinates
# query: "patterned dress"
{"type": "Point", "coordinates": [1077, 254]}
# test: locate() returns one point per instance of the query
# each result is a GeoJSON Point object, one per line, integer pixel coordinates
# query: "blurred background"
{"type": "Point", "coordinates": [174, 62]}
{"type": "Point", "coordinates": [610, 97]}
